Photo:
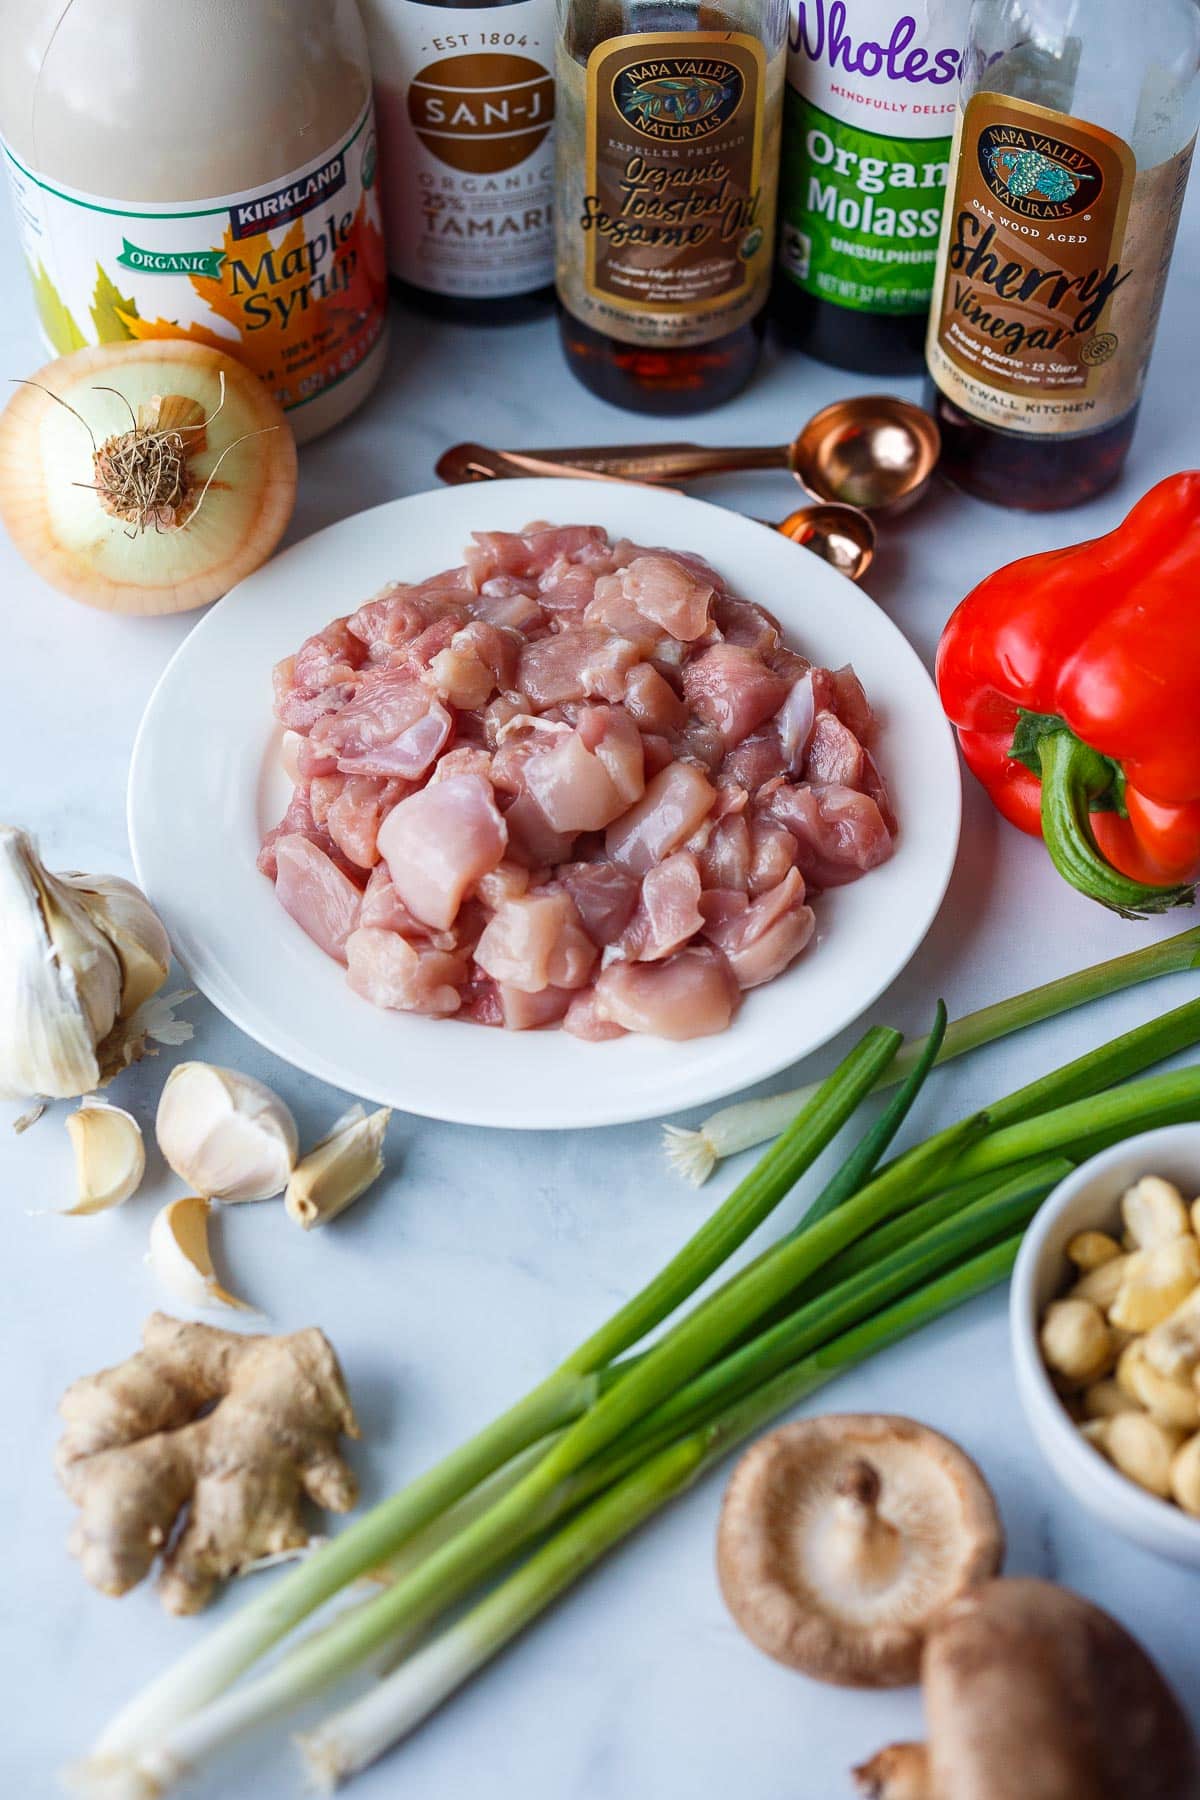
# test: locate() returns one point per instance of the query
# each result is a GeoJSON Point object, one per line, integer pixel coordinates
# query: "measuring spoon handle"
{"type": "Point", "coordinates": [659, 462]}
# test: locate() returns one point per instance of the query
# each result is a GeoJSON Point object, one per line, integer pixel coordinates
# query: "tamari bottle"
{"type": "Point", "coordinates": [207, 166]}
{"type": "Point", "coordinates": [464, 91]}
{"type": "Point", "coordinates": [867, 118]}
{"type": "Point", "coordinates": [668, 152]}
{"type": "Point", "coordinates": [1072, 149]}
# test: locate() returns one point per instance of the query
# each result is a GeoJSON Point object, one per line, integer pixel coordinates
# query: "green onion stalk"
{"type": "Point", "coordinates": [695, 1154]}
{"type": "Point", "coordinates": [877, 1254]}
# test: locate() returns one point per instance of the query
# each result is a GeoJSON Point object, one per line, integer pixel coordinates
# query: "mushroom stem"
{"type": "Point", "coordinates": [864, 1547]}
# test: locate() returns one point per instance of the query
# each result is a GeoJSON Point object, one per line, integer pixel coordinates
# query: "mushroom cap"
{"type": "Point", "coordinates": [843, 1538]}
{"type": "Point", "coordinates": [1032, 1693]}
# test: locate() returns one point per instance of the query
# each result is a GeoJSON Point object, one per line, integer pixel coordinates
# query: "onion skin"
{"type": "Point", "coordinates": [46, 459]}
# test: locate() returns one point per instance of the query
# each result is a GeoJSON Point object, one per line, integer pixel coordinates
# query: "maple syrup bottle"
{"type": "Point", "coordinates": [464, 96]}
{"type": "Point", "coordinates": [668, 153]}
{"type": "Point", "coordinates": [1072, 149]}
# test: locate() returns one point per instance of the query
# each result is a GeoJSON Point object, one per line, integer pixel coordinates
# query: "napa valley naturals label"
{"type": "Point", "coordinates": [667, 167]}
{"type": "Point", "coordinates": [466, 115]}
{"type": "Point", "coordinates": [1051, 269]}
{"type": "Point", "coordinates": [290, 277]}
{"type": "Point", "coordinates": [868, 116]}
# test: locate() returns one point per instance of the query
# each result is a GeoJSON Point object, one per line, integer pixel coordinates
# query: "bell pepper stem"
{"type": "Point", "coordinates": [1073, 776]}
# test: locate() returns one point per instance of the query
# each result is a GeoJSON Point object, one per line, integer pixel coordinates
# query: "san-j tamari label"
{"type": "Point", "coordinates": [290, 278]}
{"type": "Point", "coordinates": [868, 112]}
{"type": "Point", "coordinates": [670, 185]}
{"type": "Point", "coordinates": [1051, 269]}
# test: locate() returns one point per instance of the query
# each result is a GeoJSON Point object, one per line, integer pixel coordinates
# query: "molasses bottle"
{"type": "Point", "coordinates": [668, 154]}
{"type": "Point", "coordinates": [867, 118]}
{"type": "Point", "coordinates": [1072, 146]}
{"type": "Point", "coordinates": [464, 98]}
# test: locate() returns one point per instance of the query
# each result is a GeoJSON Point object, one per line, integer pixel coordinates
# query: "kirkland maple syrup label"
{"type": "Point", "coordinates": [466, 115]}
{"type": "Point", "coordinates": [290, 278]}
{"type": "Point", "coordinates": [667, 167]}
{"type": "Point", "coordinates": [868, 114]}
{"type": "Point", "coordinates": [1051, 269]}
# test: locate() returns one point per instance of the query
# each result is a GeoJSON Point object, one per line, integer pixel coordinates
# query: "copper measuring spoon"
{"type": "Point", "coordinates": [875, 452]}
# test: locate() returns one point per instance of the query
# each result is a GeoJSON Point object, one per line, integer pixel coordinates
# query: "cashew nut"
{"type": "Point", "coordinates": [1140, 1447]}
{"type": "Point", "coordinates": [1173, 1347]}
{"type": "Point", "coordinates": [1170, 1402]}
{"type": "Point", "coordinates": [1153, 1283]}
{"type": "Point", "coordinates": [1092, 1249]}
{"type": "Point", "coordinates": [1105, 1399]}
{"type": "Point", "coordinates": [1185, 1476]}
{"type": "Point", "coordinates": [1102, 1284]}
{"type": "Point", "coordinates": [1076, 1342]}
{"type": "Point", "coordinates": [1154, 1212]}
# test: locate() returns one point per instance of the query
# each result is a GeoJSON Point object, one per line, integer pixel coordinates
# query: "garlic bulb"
{"type": "Point", "coordinates": [78, 955]}
{"type": "Point", "coordinates": [110, 1157]}
{"type": "Point", "coordinates": [226, 1134]}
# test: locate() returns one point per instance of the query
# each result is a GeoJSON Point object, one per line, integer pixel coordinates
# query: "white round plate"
{"type": "Point", "coordinates": [205, 784]}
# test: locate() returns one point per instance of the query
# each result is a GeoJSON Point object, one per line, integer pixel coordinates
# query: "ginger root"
{"type": "Point", "coordinates": [136, 1452]}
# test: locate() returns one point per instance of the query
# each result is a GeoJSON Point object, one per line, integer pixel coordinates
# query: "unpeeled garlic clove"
{"type": "Point", "coordinates": [226, 1134]}
{"type": "Point", "coordinates": [339, 1168]}
{"type": "Point", "coordinates": [180, 1257]}
{"type": "Point", "coordinates": [110, 1157]}
{"type": "Point", "coordinates": [78, 956]}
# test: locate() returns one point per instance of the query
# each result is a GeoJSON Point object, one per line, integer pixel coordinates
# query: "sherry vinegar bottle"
{"type": "Point", "coordinates": [668, 154]}
{"type": "Point", "coordinates": [1072, 145]}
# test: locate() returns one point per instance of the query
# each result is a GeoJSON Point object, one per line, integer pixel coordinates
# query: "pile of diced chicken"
{"type": "Point", "coordinates": [570, 782]}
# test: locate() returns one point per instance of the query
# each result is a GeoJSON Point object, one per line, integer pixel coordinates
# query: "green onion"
{"type": "Point", "coordinates": [218, 1659]}
{"type": "Point", "coordinates": [694, 1154]}
{"type": "Point", "coordinates": [351, 1739]}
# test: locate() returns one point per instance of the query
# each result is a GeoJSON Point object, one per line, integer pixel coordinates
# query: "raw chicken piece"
{"type": "Point", "coordinates": [354, 818]}
{"type": "Point", "coordinates": [439, 842]}
{"type": "Point", "coordinates": [692, 994]}
{"type": "Point", "coordinates": [402, 611]}
{"type": "Point", "coordinates": [574, 664]}
{"type": "Point", "coordinates": [725, 858]}
{"type": "Point", "coordinates": [873, 784]}
{"type": "Point", "coordinates": [674, 803]}
{"type": "Point", "coordinates": [323, 790]}
{"type": "Point", "coordinates": [582, 1019]}
{"type": "Point", "coordinates": [605, 895]}
{"type": "Point", "coordinates": [528, 1012]}
{"type": "Point", "coordinates": [532, 840]}
{"type": "Point", "coordinates": [760, 942]}
{"type": "Point", "coordinates": [572, 787]}
{"type": "Point", "coordinates": [612, 610]}
{"type": "Point", "coordinates": [329, 658]}
{"type": "Point", "coordinates": [508, 603]}
{"type": "Point", "coordinates": [839, 833]}
{"type": "Point", "coordinates": [536, 941]}
{"type": "Point", "coordinates": [834, 754]}
{"type": "Point", "coordinates": [651, 701]}
{"type": "Point", "coordinates": [732, 689]}
{"type": "Point", "coordinates": [532, 551]}
{"type": "Point", "coordinates": [750, 627]}
{"type": "Point", "coordinates": [296, 708]}
{"type": "Point", "coordinates": [507, 881]}
{"type": "Point", "coordinates": [324, 902]}
{"type": "Point", "coordinates": [664, 588]}
{"type": "Point", "coordinates": [794, 723]}
{"type": "Point", "coordinates": [464, 759]}
{"type": "Point", "coordinates": [383, 907]}
{"type": "Point", "coordinates": [667, 913]}
{"type": "Point", "coordinates": [387, 970]}
{"type": "Point", "coordinates": [755, 761]}
{"type": "Point", "coordinates": [772, 854]}
{"type": "Point", "coordinates": [392, 726]}
{"type": "Point", "coordinates": [478, 659]}
{"type": "Point", "coordinates": [614, 739]}
{"type": "Point", "coordinates": [850, 703]}
{"type": "Point", "coordinates": [566, 589]}
{"type": "Point", "coordinates": [657, 753]}
{"type": "Point", "coordinates": [299, 819]}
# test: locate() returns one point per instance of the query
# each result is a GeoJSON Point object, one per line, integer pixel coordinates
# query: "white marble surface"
{"type": "Point", "coordinates": [482, 1257]}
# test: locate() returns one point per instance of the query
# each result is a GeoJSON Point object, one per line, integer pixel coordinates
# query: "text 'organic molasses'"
{"type": "Point", "coordinates": [668, 150]}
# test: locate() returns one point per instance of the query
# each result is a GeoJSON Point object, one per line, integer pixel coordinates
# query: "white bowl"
{"type": "Point", "coordinates": [205, 783]}
{"type": "Point", "coordinates": [1090, 1199]}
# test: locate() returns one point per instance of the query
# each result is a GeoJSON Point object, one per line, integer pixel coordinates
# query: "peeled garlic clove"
{"type": "Point", "coordinates": [226, 1134]}
{"type": "Point", "coordinates": [339, 1168]}
{"type": "Point", "coordinates": [110, 1157]}
{"type": "Point", "coordinates": [180, 1258]}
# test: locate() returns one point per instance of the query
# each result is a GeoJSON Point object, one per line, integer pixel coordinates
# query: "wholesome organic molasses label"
{"type": "Point", "coordinates": [1051, 268]}
{"type": "Point", "coordinates": [670, 184]}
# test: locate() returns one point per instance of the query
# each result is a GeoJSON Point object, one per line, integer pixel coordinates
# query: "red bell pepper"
{"type": "Point", "coordinates": [1073, 678]}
